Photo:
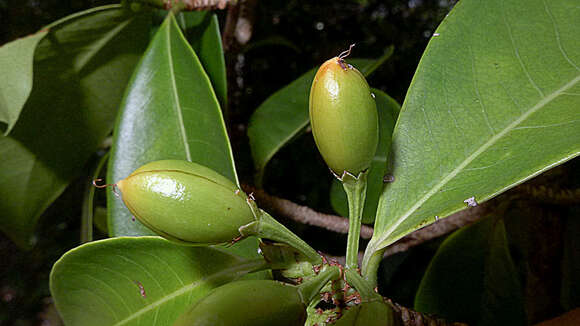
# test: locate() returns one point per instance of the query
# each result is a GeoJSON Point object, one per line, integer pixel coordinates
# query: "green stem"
{"type": "Point", "coordinates": [356, 190]}
{"type": "Point", "coordinates": [311, 288]}
{"type": "Point", "coordinates": [88, 209]}
{"type": "Point", "coordinates": [87, 215]}
{"type": "Point", "coordinates": [370, 265]}
{"type": "Point", "coordinates": [267, 227]}
{"type": "Point", "coordinates": [364, 288]}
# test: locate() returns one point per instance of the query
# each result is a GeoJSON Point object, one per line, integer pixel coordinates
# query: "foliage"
{"type": "Point", "coordinates": [485, 111]}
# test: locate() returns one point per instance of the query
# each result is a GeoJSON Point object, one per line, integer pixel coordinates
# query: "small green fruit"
{"type": "Point", "coordinates": [248, 303]}
{"type": "Point", "coordinates": [375, 313]}
{"type": "Point", "coordinates": [344, 117]}
{"type": "Point", "coordinates": [186, 202]}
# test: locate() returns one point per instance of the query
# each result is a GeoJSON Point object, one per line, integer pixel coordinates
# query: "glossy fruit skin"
{"type": "Point", "coordinates": [375, 313]}
{"type": "Point", "coordinates": [344, 117]}
{"type": "Point", "coordinates": [186, 202]}
{"type": "Point", "coordinates": [248, 303]}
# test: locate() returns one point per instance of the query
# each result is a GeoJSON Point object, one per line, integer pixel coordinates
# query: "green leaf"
{"type": "Point", "coordinates": [169, 111]}
{"type": "Point", "coordinates": [80, 70]}
{"type": "Point", "coordinates": [201, 28]}
{"type": "Point", "coordinates": [472, 279]}
{"type": "Point", "coordinates": [284, 115]}
{"type": "Point", "coordinates": [388, 110]}
{"type": "Point", "coordinates": [486, 110]}
{"type": "Point", "coordinates": [16, 63]}
{"type": "Point", "coordinates": [138, 280]}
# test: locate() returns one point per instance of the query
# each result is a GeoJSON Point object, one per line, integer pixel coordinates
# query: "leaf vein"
{"type": "Point", "coordinates": [557, 32]}
{"type": "Point", "coordinates": [113, 290]}
{"type": "Point", "coordinates": [178, 107]}
{"type": "Point", "coordinates": [477, 93]}
{"type": "Point", "coordinates": [131, 261]}
{"type": "Point", "coordinates": [517, 54]}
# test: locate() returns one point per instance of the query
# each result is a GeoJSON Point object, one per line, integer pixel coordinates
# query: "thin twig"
{"type": "Point", "coordinates": [230, 26]}
{"type": "Point", "coordinates": [549, 194]}
{"type": "Point", "coordinates": [409, 317]}
{"type": "Point", "coordinates": [239, 24]}
{"type": "Point", "coordinates": [305, 215]}
{"type": "Point", "coordinates": [439, 228]}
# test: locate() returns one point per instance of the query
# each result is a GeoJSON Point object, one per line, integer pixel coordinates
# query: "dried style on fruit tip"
{"type": "Point", "coordinates": [186, 202]}
{"type": "Point", "coordinates": [344, 117]}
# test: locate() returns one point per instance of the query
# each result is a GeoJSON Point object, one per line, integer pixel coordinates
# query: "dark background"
{"type": "Point", "coordinates": [289, 38]}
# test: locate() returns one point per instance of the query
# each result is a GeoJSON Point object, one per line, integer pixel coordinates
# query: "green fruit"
{"type": "Point", "coordinates": [248, 303]}
{"type": "Point", "coordinates": [344, 117]}
{"type": "Point", "coordinates": [186, 202]}
{"type": "Point", "coordinates": [375, 313]}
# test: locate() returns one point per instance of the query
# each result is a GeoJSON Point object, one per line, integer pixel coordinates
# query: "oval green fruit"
{"type": "Point", "coordinates": [186, 202]}
{"type": "Point", "coordinates": [344, 117]}
{"type": "Point", "coordinates": [248, 303]}
{"type": "Point", "coordinates": [375, 313]}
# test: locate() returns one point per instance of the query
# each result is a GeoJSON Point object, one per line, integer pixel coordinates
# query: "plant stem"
{"type": "Point", "coordinates": [356, 190]}
{"type": "Point", "coordinates": [302, 214]}
{"type": "Point", "coordinates": [267, 227]}
{"type": "Point", "coordinates": [370, 265]}
{"type": "Point", "coordinates": [364, 288]}
{"type": "Point", "coordinates": [311, 288]}
{"type": "Point", "coordinates": [88, 209]}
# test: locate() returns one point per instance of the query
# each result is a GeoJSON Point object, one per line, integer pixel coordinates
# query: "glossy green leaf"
{"type": "Point", "coordinates": [284, 115]}
{"type": "Point", "coordinates": [80, 70]}
{"type": "Point", "coordinates": [16, 64]}
{"type": "Point", "coordinates": [388, 110]}
{"type": "Point", "coordinates": [169, 111]}
{"type": "Point", "coordinates": [494, 102]}
{"type": "Point", "coordinates": [472, 279]}
{"type": "Point", "coordinates": [202, 30]}
{"type": "Point", "coordinates": [144, 281]}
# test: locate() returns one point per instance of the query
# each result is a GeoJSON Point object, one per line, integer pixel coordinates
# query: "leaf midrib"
{"type": "Point", "coordinates": [178, 107]}
{"type": "Point", "coordinates": [544, 101]}
{"type": "Point", "coordinates": [101, 43]}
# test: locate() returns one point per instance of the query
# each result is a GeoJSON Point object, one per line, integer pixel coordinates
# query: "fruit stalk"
{"type": "Point", "coordinates": [267, 227]}
{"type": "Point", "coordinates": [344, 120]}
{"type": "Point", "coordinates": [355, 188]}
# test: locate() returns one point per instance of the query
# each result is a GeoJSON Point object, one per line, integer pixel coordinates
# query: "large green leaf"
{"type": "Point", "coordinates": [388, 110]}
{"type": "Point", "coordinates": [80, 70]}
{"type": "Point", "coordinates": [494, 102]}
{"type": "Point", "coordinates": [144, 281]}
{"type": "Point", "coordinates": [284, 114]}
{"type": "Point", "coordinates": [169, 111]}
{"type": "Point", "coordinates": [472, 279]}
{"type": "Point", "coordinates": [202, 30]}
{"type": "Point", "coordinates": [16, 63]}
